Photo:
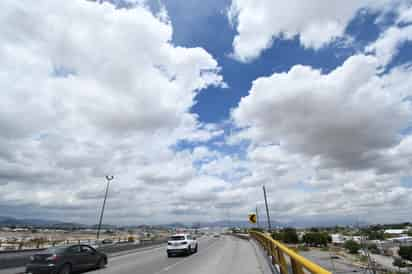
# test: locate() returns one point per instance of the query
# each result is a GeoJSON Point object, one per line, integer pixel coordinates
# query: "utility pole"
{"type": "Point", "coordinates": [267, 208]}
{"type": "Point", "coordinates": [108, 179]}
{"type": "Point", "coordinates": [257, 217]}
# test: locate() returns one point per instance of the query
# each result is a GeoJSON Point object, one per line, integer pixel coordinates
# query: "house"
{"type": "Point", "coordinates": [337, 239]}
{"type": "Point", "coordinates": [395, 232]}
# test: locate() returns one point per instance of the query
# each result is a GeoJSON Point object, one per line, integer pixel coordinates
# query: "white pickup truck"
{"type": "Point", "coordinates": [181, 244]}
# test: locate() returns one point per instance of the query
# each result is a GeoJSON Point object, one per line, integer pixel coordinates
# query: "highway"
{"type": "Point", "coordinates": [224, 255]}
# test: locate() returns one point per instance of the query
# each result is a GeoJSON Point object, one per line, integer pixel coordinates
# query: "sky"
{"type": "Point", "coordinates": [193, 105]}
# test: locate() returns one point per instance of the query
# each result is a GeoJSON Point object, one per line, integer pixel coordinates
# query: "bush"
{"type": "Point", "coordinates": [405, 252]}
{"type": "Point", "coordinates": [373, 248]}
{"type": "Point", "coordinates": [290, 236]}
{"type": "Point", "coordinates": [316, 239]}
{"type": "Point", "coordinates": [287, 235]}
{"type": "Point", "coordinates": [258, 229]}
{"type": "Point", "coordinates": [352, 246]}
{"type": "Point", "coordinates": [399, 262]}
{"type": "Point", "coordinates": [303, 248]}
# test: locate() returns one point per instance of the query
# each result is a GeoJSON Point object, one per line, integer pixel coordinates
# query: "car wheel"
{"type": "Point", "coordinates": [169, 255]}
{"type": "Point", "coordinates": [189, 250]}
{"type": "Point", "coordinates": [101, 264]}
{"type": "Point", "coordinates": [66, 269]}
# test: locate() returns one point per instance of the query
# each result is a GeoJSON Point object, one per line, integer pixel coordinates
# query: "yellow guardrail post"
{"type": "Point", "coordinates": [278, 251]}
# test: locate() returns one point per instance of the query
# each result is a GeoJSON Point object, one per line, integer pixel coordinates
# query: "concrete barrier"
{"type": "Point", "coordinates": [241, 236]}
{"type": "Point", "coordinates": [10, 259]}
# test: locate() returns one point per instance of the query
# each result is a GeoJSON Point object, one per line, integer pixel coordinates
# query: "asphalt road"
{"type": "Point", "coordinates": [224, 255]}
{"type": "Point", "coordinates": [337, 266]}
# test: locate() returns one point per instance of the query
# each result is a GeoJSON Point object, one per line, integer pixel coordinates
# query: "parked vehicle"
{"type": "Point", "coordinates": [66, 259]}
{"type": "Point", "coordinates": [181, 244]}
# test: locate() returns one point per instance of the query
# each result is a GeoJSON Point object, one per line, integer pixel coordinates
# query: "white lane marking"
{"type": "Point", "coordinates": [167, 268]}
{"type": "Point", "coordinates": [134, 253]}
{"type": "Point", "coordinates": [148, 250]}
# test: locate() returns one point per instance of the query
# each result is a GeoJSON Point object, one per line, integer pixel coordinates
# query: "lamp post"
{"type": "Point", "coordinates": [267, 208]}
{"type": "Point", "coordinates": [108, 179]}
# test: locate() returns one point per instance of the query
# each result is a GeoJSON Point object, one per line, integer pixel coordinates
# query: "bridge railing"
{"type": "Point", "coordinates": [280, 254]}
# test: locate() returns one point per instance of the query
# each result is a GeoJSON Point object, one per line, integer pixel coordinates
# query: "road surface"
{"type": "Point", "coordinates": [337, 266]}
{"type": "Point", "coordinates": [224, 255]}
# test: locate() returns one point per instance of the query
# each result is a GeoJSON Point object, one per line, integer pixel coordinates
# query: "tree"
{"type": "Point", "coordinates": [287, 235]}
{"type": "Point", "coordinates": [399, 262]}
{"type": "Point", "coordinates": [352, 246]}
{"type": "Point", "coordinates": [277, 236]}
{"type": "Point", "coordinates": [405, 252]}
{"type": "Point", "coordinates": [290, 236]}
{"type": "Point", "coordinates": [316, 238]}
{"type": "Point", "coordinates": [258, 229]}
{"type": "Point", "coordinates": [373, 248]}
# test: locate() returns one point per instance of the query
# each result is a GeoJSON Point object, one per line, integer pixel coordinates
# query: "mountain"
{"type": "Point", "coordinates": [10, 221]}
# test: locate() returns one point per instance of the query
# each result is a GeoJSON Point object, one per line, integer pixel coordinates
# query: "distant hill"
{"type": "Point", "coordinates": [10, 221]}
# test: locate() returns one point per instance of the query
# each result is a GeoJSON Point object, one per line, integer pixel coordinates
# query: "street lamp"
{"type": "Point", "coordinates": [108, 179]}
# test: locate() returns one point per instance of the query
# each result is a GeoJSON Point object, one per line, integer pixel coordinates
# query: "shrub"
{"type": "Point", "coordinates": [352, 246]}
{"type": "Point", "coordinates": [405, 252]}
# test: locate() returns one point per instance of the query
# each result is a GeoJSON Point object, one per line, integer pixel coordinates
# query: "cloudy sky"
{"type": "Point", "coordinates": [194, 105]}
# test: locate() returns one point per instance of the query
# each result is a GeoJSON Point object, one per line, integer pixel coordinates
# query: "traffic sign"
{"type": "Point", "coordinates": [252, 218]}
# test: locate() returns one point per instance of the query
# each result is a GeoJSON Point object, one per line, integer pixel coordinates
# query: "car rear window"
{"type": "Point", "coordinates": [56, 249]}
{"type": "Point", "coordinates": [177, 238]}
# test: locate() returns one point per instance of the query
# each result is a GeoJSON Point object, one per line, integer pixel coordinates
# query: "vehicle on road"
{"type": "Point", "coordinates": [66, 260]}
{"type": "Point", "coordinates": [181, 244]}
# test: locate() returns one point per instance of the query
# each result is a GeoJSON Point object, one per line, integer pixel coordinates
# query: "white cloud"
{"type": "Point", "coordinates": [388, 43]}
{"type": "Point", "coordinates": [338, 116]}
{"type": "Point", "coordinates": [317, 23]}
{"type": "Point", "coordinates": [88, 89]}
{"type": "Point", "coordinates": [331, 141]}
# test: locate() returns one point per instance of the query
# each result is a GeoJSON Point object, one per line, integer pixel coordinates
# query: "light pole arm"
{"type": "Point", "coordinates": [108, 178]}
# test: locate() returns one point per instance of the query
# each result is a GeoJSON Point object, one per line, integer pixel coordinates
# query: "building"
{"type": "Point", "coordinates": [395, 232]}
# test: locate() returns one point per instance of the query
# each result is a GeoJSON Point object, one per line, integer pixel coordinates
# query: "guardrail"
{"type": "Point", "coordinates": [16, 259]}
{"type": "Point", "coordinates": [277, 251]}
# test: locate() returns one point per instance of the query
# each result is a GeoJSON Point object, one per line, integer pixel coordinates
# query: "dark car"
{"type": "Point", "coordinates": [66, 259]}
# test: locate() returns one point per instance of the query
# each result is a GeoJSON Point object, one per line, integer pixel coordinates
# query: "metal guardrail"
{"type": "Point", "coordinates": [277, 251]}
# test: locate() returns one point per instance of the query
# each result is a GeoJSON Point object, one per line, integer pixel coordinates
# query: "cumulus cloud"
{"type": "Point", "coordinates": [387, 45]}
{"type": "Point", "coordinates": [337, 116]}
{"type": "Point", "coordinates": [337, 137]}
{"type": "Point", "coordinates": [90, 89]}
{"type": "Point", "coordinates": [315, 23]}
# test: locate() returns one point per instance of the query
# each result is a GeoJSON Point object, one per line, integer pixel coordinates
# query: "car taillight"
{"type": "Point", "coordinates": [53, 257]}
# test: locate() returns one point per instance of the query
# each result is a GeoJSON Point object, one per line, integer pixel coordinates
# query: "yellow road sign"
{"type": "Point", "coordinates": [252, 218]}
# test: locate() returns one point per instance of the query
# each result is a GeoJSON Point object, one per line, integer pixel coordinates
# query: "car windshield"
{"type": "Point", "coordinates": [177, 238]}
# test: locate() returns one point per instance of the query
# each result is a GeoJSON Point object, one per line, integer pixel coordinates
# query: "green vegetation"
{"type": "Point", "coordinates": [399, 263]}
{"type": "Point", "coordinates": [286, 235]}
{"type": "Point", "coordinates": [316, 238]}
{"type": "Point", "coordinates": [303, 248]}
{"type": "Point", "coordinates": [405, 252]}
{"type": "Point", "coordinates": [352, 246]}
{"type": "Point", "coordinates": [259, 229]}
{"type": "Point", "coordinates": [373, 248]}
{"type": "Point", "coordinates": [363, 258]}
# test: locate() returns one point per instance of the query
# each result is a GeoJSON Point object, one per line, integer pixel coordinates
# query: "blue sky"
{"type": "Point", "coordinates": [194, 105]}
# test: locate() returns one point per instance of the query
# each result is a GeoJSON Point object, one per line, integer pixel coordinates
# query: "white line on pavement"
{"type": "Point", "coordinates": [167, 268]}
